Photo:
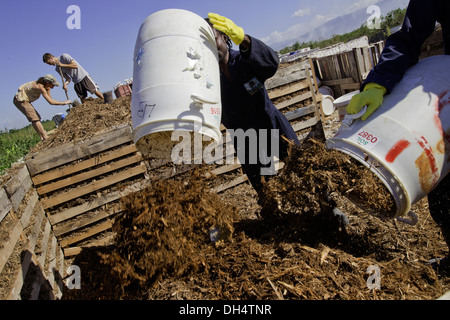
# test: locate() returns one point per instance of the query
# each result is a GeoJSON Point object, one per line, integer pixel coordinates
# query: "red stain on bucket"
{"type": "Point", "coordinates": [395, 151]}
{"type": "Point", "coordinates": [429, 153]}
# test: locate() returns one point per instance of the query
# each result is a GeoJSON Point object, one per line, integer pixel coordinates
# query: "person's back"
{"type": "Point", "coordinates": [77, 74]}
{"type": "Point", "coordinates": [28, 92]}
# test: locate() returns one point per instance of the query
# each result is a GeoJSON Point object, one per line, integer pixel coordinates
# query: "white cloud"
{"type": "Point", "coordinates": [318, 19]}
{"type": "Point", "coordinates": [302, 12]}
{"type": "Point", "coordinates": [277, 36]}
{"type": "Point", "coordinates": [310, 22]}
{"type": "Point", "coordinates": [359, 5]}
{"type": "Point", "coordinates": [295, 30]}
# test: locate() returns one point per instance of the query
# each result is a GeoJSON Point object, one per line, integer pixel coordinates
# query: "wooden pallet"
{"type": "Point", "coordinates": [78, 184]}
{"type": "Point", "coordinates": [346, 71]}
{"type": "Point", "coordinates": [30, 257]}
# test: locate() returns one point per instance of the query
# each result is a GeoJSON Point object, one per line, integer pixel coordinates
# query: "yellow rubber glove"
{"type": "Point", "coordinates": [228, 27]}
{"type": "Point", "coordinates": [372, 96]}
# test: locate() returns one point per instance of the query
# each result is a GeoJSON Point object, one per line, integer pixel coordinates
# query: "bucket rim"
{"type": "Point", "coordinates": [174, 125]}
{"type": "Point", "coordinates": [386, 175]}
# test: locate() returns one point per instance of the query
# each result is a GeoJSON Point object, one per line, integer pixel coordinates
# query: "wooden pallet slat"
{"type": "Point", "coordinates": [288, 90]}
{"type": "Point", "coordinates": [5, 204]}
{"type": "Point", "coordinates": [304, 124]}
{"type": "Point", "coordinates": [58, 156]}
{"type": "Point", "coordinates": [89, 174]}
{"type": "Point", "coordinates": [44, 243]}
{"type": "Point", "coordinates": [86, 164]}
{"type": "Point", "coordinates": [18, 187]}
{"type": "Point", "coordinates": [30, 207]}
{"type": "Point", "coordinates": [82, 223]}
{"type": "Point", "coordinates": [93, 186]}
{"type": "Point", "coordinates": [294, 100]}
{"type": "Point", "coordinates": [7, 248]}
{"type": "Point", "coordinates": [292, 115]}
{"type": "Point", "coordinates": [89, 233]}
{"type": "Point", "coordinates": [94, 204]}
{"type": "Point", "coordinates": [73, 251]}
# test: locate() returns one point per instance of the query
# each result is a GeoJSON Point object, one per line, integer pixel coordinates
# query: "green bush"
{"type": "Point", "coordinates": [16, 143]}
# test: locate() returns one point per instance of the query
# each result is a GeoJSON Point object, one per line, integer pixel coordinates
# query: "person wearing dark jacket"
{"type": "Point", "coordinates": [402, 50]}
{"type": "Point", "coordinates": [246, 104]}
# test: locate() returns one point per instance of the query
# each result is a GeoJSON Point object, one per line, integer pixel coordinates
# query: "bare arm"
{"type": "Point", "coordinates": [46, 94]}
{"type": "Point", "coordinates": [71, 65]}
{"type": "Point", "coordinates": [66, 82]}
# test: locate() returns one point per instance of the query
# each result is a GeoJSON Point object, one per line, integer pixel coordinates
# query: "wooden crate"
{"type": "Point", "coordinates": [30, 256]}
{"type": "Point", "coordinates": [123, 90]}
{"type": "Point", "coordinates": [346, 71]}
{"type": "Point", "coordinates": [80, 185]}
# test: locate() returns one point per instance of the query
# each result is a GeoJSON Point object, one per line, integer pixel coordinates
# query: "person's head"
{"type": "Point", "coordinates": [48, 81]}
{"type": "Point", "coordinates": [48, 58]}
{"type": "Point", "coordinates": [223, 42]}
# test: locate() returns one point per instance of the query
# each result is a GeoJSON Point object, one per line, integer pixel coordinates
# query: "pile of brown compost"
{"type": "Point", "coordinates": [313, 178]}
{"type": "Point", "coordinates": [165, 227]}
{"type": "Point", "coordinates": [87, 119]}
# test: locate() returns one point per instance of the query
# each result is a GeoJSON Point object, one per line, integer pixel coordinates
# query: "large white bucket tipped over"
{"type": "Point", "coordinates": [406, 142]}
{"type": "Point", "coordinates": [176, 80]}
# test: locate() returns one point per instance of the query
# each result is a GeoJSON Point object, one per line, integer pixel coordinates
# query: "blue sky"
{"type": "Point", "coordinates": [105, 43]}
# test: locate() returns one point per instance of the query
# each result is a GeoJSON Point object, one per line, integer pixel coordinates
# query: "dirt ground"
{"type": "Point", "coordinates": [178, 240]}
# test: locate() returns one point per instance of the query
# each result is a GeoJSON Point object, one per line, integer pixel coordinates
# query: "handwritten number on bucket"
{"type": "Point", "coordinates": [143, 108]}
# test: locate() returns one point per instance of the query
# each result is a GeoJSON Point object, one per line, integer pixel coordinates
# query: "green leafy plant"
{"type": "Point", "coordinates": [16, 143]}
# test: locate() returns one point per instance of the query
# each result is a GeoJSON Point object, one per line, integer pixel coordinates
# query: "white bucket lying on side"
{"type": "Point", "coordinates": [327, 100]}
{"type": "Point", "coordinates": [406, 141]}
{"type": "Point", "coordinates": [176, 80]}
{"type": "Point", "coordinates": [327, 105]}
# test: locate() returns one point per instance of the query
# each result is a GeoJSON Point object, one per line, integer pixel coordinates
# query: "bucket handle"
{"type": "Point", "coordinates": [349, 118]}
{"type": "Point", "coordinates": [411, 221]}
{"type": "Point", "coordinates": [199, 101]}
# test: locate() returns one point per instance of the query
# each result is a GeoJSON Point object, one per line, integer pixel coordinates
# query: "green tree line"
{"type": "Point", "coordinates": [392, 19]}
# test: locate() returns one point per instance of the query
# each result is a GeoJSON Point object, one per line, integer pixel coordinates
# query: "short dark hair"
{"type": "Point", "coordinates": [46, 57]}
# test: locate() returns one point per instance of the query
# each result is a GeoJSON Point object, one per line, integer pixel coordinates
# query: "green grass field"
{"type": "Point", "coordinates": [16, 143]}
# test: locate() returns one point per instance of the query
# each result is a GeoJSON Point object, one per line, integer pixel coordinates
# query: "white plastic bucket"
{"type": "Point", "coordinates": [176, 79]}
{"type": "Point", "coordinates": [406, 141]}
{"type": "Point", "coordinates": [327, 105]}
{"type": "Point", "coordinates": [326, 91]}
{"type": "Point", "coordinates": [342, 102]}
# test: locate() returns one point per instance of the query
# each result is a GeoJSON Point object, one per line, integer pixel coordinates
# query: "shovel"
{"type": "Point", "coordinates": [67, 95]}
